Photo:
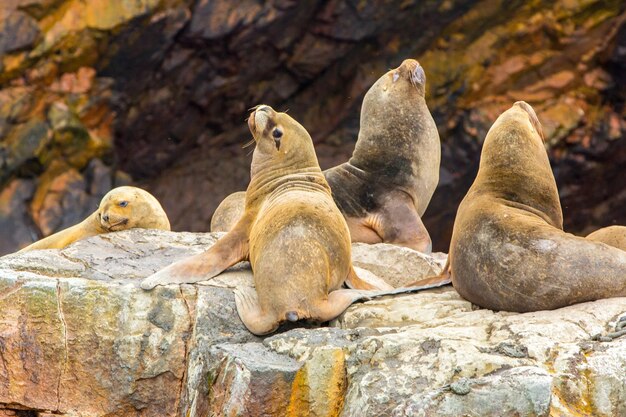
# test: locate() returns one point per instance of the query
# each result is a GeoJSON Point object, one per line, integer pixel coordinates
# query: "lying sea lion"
{"type": "Point", "coordinates": [385, 187]}
{"type": "Point", "coordinates": [296, 239]}
{"type": "Point", "coordinates": [120, 209]}
{"type": "Point", "coordinates": [508, 249]}
{"type": "Point", "coordinates": [612, 235]}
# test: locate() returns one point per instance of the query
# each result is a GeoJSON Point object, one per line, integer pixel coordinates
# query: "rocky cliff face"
{"type": "Point", "coordinates": [79, 338]}
{"type": "Point", "coordinates": [103, 92]}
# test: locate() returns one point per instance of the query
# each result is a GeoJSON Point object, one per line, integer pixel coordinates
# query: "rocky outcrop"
{"type": "Point", "coordinates": [78, 337]}
{"type": "Point", "coordinates": [159, 89]}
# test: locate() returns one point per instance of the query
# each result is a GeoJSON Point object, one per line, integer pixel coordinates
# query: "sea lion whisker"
{"type": "Point", "coordinates": [248, 143]}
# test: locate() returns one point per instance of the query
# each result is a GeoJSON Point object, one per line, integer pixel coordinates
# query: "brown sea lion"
{"type": "Point", "coordinates": [508, 249]}
{"type": "Point", "coordinates": [120, 209]}
{"type": "Point", "coordinates": [385, 187]}
{"type": "Point", "coordinates": [296, 239]}
{"type": "Point", "coordinates": [612, 235]}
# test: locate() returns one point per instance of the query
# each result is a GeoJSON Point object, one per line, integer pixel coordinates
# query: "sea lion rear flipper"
{"type": "Point", "coordinates": [226, 252]}
{"type": "Point", "coordinates": [251, 314]}
{"type": "Point", "coordinates": [432, 282]}
{"type": "Point", "coordinates": [366, 280]}
{"type": "Point", "coordinates": [398, 223]}
{"type": "Point", "coordinates": [338, 301]}
{"type": "Point", "coordinates": [440, 280]}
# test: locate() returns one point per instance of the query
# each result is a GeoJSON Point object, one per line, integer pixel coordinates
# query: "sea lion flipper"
{"type": "Point", "coordinates": [226, 252]}
{"type": "Point", "coordinates": [366, 280]}
{"type": "Point", "coordinates": [338, 301]}
{"type": "Point", "coordinates": [398, 223]}
{"type": "Point", "coordinates": [440, 280]}
{"type": "Point", "coordinates": [251, 314]}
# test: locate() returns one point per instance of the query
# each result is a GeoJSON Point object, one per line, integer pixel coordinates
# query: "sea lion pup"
{"type": "Point", "coordinates": [508, 249]}
{"type": "Point", "coordinates": [296, 239]}
{"type": "Point", "coordinates": [385, 187]}
{"type": "Point", "coordinates": [120, 209]}
{"type": "Point", "coordinates": [612, 235]}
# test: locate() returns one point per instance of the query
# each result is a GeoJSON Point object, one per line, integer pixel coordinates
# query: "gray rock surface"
{"type": "Point", "coordinates": [78, 337]}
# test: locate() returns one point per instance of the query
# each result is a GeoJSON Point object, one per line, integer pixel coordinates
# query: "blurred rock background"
{"type": "Point", "coordinates": [99, 93]}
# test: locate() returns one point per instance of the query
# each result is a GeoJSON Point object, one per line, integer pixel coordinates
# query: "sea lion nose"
{"type": "Point", "coordinates": [418, 76]}
{"type": "Point", "coordinates": [261, 117]}
{"type": "Point", "coordinates": [105, 218]}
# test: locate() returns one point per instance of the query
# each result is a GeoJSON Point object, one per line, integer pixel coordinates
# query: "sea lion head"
{"type": "Point", "coordinates": [408, 79]}
{"type": "Point", "coordinates": [515, 131]}
{"type": "Point", "coordinates": [514, 164]}
{"type": "Point", "coordinates": [131, 207]}
{"type": "Point", "coordinates": [531, 116]}
{"type": "Point", "coordinates": [397, 133]}
{"type": "Point", "coordinates": [280, 138]}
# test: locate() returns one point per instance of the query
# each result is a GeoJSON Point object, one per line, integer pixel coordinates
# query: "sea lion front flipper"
{"type": "Point", "coordinates": [251, 314]}
{"type": "Point", "coordinates": [398, 223]}
{"type": "Point", "coordinates": [226, 252]}
{"type": "Point", "coordinates": [366, 280]}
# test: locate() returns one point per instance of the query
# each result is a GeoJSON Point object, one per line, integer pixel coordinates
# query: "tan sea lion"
{"type": "Point", "coordinates": [612, 235]}
{"type": "Point", "coordinates": [229, 211]}
{"type": "Point", "coordinates": [385, 187]}
{"type": "Point", "coordinates": [120, 209]}
{"type": "Point", "coordinates": [508, 249]}
{"type": "Point", "coordinates": [296, 239]}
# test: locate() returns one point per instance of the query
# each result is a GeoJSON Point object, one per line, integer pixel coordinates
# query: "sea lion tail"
{"type": "Point", "coordinates": [291, 316]}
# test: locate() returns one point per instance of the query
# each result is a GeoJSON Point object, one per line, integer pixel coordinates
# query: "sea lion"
{"type": "Point", "coordinates": [508, 249]}
{"type": "Point", "coordinates": [296, 239]}
{"type": "Point", "coordinates": [229, 211]}
{"type": "Point", "coordinates": [612, 235]}
{"type": "Point", "coordinates": [385, 187]}
{"type": "Point", "coordinates": [120, 209]}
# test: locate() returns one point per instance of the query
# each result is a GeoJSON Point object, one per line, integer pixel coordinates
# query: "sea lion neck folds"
{"type": "Point", "coordinates": [508, 250]}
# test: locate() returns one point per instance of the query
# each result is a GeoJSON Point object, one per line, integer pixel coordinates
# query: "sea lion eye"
{"type": "Point", "coordinates": [277, 133]}
{"type": "Point", "coordinates": [123, 203]}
